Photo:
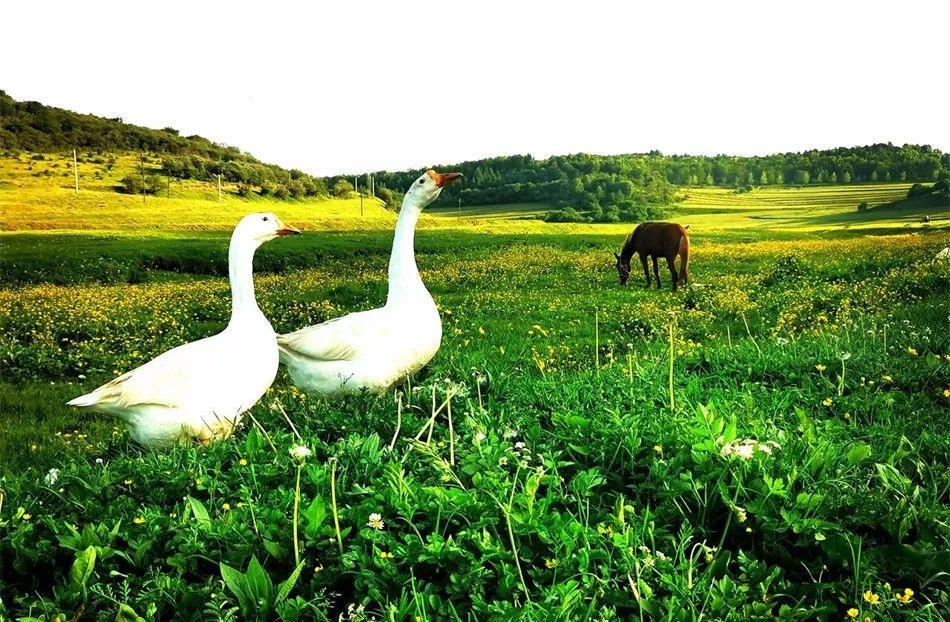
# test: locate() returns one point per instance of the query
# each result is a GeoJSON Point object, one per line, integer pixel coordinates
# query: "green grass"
{"type": "Point", "coordinates": [593, 467]}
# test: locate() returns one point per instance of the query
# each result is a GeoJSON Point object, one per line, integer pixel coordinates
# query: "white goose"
{"type": "Point", "coordinates": [198, 390]}
{"type": "Point", "coordinates": [379, 348]}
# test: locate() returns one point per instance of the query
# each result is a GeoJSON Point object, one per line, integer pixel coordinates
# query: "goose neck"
{"type": "Point", "coordinates": [241, 275]}
{"type": "Point", "coordinates": [403, 272]}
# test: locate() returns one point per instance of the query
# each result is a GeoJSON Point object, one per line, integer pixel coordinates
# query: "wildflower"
{"type": "Point", "coordinates": [550, 563]}
{"type": "Point", "coordinates": [820, 368]}
{"type": "Point", "coordinates": [503, 461]}
{"type": "Point", "coordinates": [375, 521]}
{"type": "Point", "coordinates": [871, 597]}
{"type": "Point", "coordinates": [26, 516]}
{"type": "Point", "coordinates": [226, 507]}
{"type": "Point", "coordinates": [658, 449]}
{"type": "Point", "coordinates": [741, 515]}
{"type": "Point", "coordinates": [519, 446]}
{"type": "Point", "coordinates": [827, 401]}
{"type": "Point", "coordinates": [317, 568]}
{"type": "Point", "coordinates": [781, 341]}
{"type": "Point", "coordinates": [52, 477]}
{"type": "Point", "coordinates": [138, 520]}
{"type": "Point", "coordinates": [127, 482]}
{"type": "Point", "coordinates": [852, 612]}
{"type": "Point", "coordinates": [197, 481]}
{"type": "Point", "coordinates": [242, 462]}
{"type": "Point", "coordinates": [385, 555]}
{"type": "Point", "coordinates": [300, 453]}
{"type": "Point", "coordinates": [98, 460]}
{"type": "Point", "coordinates": [911, 351]}
{"type": "Point", "coordinates": [479, 437]}
{"type": "Point", "coordinates": [746, 448]}
{"type": "Point", "coordinates": [887, 379]}
{"type": "Point", "coordinates": [946, 392]}
{"type": "Point", "coordinates": [906, 597]}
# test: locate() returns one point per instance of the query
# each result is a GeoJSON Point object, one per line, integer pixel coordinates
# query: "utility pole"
{"type": "Point", "coordinates": [356, 183]}
{"type": "Point", "coordinates": [76, 171]}
{"type": "Point", "coordinates": [142, 166]}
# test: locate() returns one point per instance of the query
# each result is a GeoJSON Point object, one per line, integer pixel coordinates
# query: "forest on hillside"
{"type": "Point", "coordinates": [604, 188]}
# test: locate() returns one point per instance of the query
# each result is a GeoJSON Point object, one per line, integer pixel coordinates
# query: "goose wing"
{"type": "Point", "coordinates": [344, 338]}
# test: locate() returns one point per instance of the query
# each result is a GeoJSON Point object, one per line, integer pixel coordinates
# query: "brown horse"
{"type": "Point", "coordinates": [655, 239]}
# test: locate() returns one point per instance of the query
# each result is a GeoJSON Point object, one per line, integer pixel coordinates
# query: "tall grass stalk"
{"type": "Point", "coordinates": [392, 443]}
{"type": "Point", "coordinates": [597, 341]}
{"type": "Point", "coordinates": [336, 514]}
{"type": "Point", "coordinates": [672, 400]}
{"type": "Point", "coordinates": [297, 515]}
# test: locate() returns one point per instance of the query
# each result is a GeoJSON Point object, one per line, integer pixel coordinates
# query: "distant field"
{"type": "Point", "coordinates": [507, 211]}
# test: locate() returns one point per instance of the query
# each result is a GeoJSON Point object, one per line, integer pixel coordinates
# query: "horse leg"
{"type": "Point", "coordinates": [672, 267]}
{"type": "Point", "coordinates": [646, 271]}
{"type": "Point", "coordinates": [656, 272]}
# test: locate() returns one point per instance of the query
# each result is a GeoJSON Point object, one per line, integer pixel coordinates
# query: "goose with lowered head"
{"type": "Point", "coordinates": [199, 390]}
{"type": "Point", "coordinates": [375, 349]}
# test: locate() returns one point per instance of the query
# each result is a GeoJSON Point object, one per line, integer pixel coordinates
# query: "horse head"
{"type": "Point", "coordinates": [623, 269]}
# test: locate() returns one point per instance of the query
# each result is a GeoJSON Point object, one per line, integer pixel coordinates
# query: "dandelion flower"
{"type": "Point", "coordinates": [375, 521]}
{"type": "Point", "coordinates": [871, 597]}
{"type": "Point", "coordinates": [300, 453]}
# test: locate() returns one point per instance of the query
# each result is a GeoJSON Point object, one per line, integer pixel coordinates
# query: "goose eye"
{"type": "Point", "coordinates": [422, 181]}
{"type": "Point", "coordinates": [266, 218]}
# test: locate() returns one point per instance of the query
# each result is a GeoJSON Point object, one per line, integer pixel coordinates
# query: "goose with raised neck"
{"type": "Point", "coordinates": [198, 391]}
{"type": "Point", "coordinates": [376, 349]}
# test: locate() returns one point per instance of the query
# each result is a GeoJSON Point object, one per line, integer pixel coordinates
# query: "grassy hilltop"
{"type": "Point", "coordinates": [765, 444]}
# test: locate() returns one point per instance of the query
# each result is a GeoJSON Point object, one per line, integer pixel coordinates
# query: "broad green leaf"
{"type": "Point", "coordinates": [199, 511]}
{"type": "Point", "coordinates": [237, 583]}
{"type": "Point", "coordinates": [82, 568]}
{"type": "Point", "coordinates": [259, 583]}
{"type": "Point", "coordinates": [283, 590]}
{"type": "Point", "coordinates": [127, 614]}
{"type": "Point", "coordinates": [857, 453]}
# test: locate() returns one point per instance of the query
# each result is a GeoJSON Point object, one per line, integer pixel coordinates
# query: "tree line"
{"type": "Point", "coordinates": [577, 186]}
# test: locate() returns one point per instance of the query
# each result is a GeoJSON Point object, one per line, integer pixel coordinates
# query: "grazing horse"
{"type": "Point", "coordinates": [655, 239]}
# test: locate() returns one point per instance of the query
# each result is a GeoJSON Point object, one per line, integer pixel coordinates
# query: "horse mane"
{"type": "Point", "coordinates": [626, 251]}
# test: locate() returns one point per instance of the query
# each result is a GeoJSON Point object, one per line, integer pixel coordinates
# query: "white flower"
{"type": "Point", "coordinates": [300, 453]}
{"type": "Point", "coordinates": [376, 521]}
{"type": "Point", "coordinates": [519, 445]}
{"type": "Point", "coordinates": [52, 477]}
{"type": "Point", "coordinates": [479, 437]}
{"type": "Point", "coordinates": [746, 448]}
{"type": "Point", "coordinates": [781, 341]}
{"type": "Point", "coordinates": [98, 460]}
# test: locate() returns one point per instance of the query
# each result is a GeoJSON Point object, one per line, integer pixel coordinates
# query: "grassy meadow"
{"type": "Point", "coordinates": [769, 443]}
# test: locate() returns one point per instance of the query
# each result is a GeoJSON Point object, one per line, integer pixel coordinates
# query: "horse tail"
{"type": "Point", "coordinates": [684, 258]}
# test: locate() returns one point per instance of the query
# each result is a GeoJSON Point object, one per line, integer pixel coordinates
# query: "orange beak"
{"type": "Point", "coordinates": [444, 179]}
{"type": "Point", "coordinates": [285, 230]}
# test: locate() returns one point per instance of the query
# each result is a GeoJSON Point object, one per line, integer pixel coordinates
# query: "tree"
{"type": "Point", "coordinates": [341, 189]}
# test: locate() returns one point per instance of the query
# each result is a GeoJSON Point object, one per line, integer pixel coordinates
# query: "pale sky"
{"type": "Point", "coordinates": [358, 86]}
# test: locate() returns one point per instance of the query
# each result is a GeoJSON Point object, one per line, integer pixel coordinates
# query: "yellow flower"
{"type": "Point", "coordinates": [550, 563]}
{"type": "Point", "coordinates": [852, 612]}
{"type": "Point", "coordinates": [906, 597]}
{"type": "Point", "coordinates": [820, 367]}
{"type": "Point", "coordinates": [887, 379]}
{"type": "Point", "coordinates": [242, 462]}
{"type": "Point", "coordinates": [946, 392]}
{"type": "Point", "coordinates": [385, 555]}
{"type": "Point", "coordinates": [871, 597]}
{"type": "Point", "coordinates": [911, 351]}
{"type": "Point", "coordinates": [127, 482]}
{"type": "Point", "coordinates": [658, 449]}
{"type": "Point", "coordinates": [827, 401]}
{"type": "Point", "coordinates": [226, 507]}
{"type": "Point", "coordinates": [138, 520]}
{"type": "Point", "coordinates": [27, 516]}
{"type": "Point", "coordinates": [198, 481]}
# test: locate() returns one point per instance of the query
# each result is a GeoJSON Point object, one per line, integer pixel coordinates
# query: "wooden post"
{"type": "Point", "coordinates": [76, 171]}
